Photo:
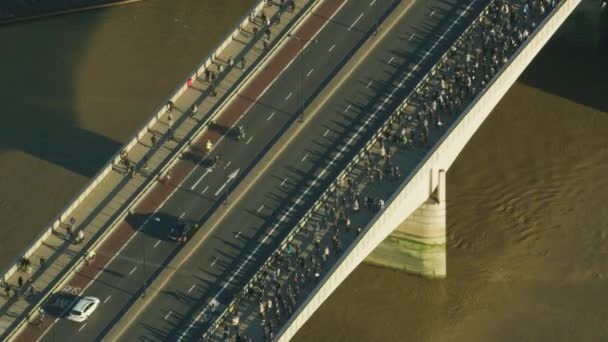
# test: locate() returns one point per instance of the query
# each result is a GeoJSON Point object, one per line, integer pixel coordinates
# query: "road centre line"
{"type": "Point", "coordinates": [260, 209]}
{"type": "Point", "coordinates": [391, 60]}
{"type": "Point", "coordinates": [326, 133]}
{"type": "Point", "coordinates": [249, 140]}
{"type": "Point", "coordinates": [288, 96]}
{"type": "Point", "coordinates": [432, 12]}
{"type": "Point", "coordinates": [372, 3]}
{"type": "Point", "coordinates": [271, 115]}
{"type": "Point", "coordinates": [133, 270]}
{"type": "Point", "coordinates": [107, 299]}
{"type": "Point", "coordinates": [192, 288]}
{"type": "Point", "coordinates": [168, 314]}
{"type": "Point", "coordinates": [304, 158]}
{"type": "Point", "coordinates": [214, 260]}
{"type": "Point", "coordinates": [355, 22]}
{"type": "Point", "coordinates": [347, 108]}
{"type": "Point", "coordinates": [316, 180]}
{"type": "Point", "coordinates": [227, 164]}
{"type": "Point", "coordinates": [82, 327]}
{"type": "Point", "coordinates": [412, 36]}
{"type": "Point", "coordinates": [331, 48]}
{"type": "Point", "coordinates": [310, 72]}
{"type": "Point", "coordinates": [156, 244]}
{"type": "Point", "coordinates": [284, 180]}
{"type": "Point", "coordinates": [369, 84]}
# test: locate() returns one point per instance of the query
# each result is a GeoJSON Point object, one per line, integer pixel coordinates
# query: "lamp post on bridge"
{"type": "Point", "coordinates": [302, 41]}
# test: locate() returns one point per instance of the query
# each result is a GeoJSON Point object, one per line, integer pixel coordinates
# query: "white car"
{"type": "Point", "coordinates": [83, 309]}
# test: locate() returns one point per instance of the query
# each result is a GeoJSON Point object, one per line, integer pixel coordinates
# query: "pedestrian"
{"type": "Point", "coordinates": [207, 74]}
{"type": "Point", "coordinates": [69, 232]}
{"type": "Point", "coordinates": [230, 61]}
{"type": "Point", "coordinates": [169, 106]}
{"type": "Point", "coordinates": [42, 261]}
{"type": "Point", "coordinates": [265, 43]}
{"type": "Point", "coordinates": [170, 124]}
{"type": "Point", "coordinates": [194, 110]}
{"type": "Point", "coordinates": [153, 140]}
{"type": "Point", "coordinates": [7, 289]}
{"type": "Point", "coordinates": [243, 63]}
{"type": "Point", "coordinates": [20, 281]}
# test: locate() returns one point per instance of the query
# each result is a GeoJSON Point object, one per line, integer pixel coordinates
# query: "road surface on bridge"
{"type": "Point", "coordinates": [257, 222]}
{"type": "Point", "coordinates": [201, 192]}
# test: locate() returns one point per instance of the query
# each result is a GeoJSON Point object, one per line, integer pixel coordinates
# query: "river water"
{"type": "Point", "coordinates": [527, 198]}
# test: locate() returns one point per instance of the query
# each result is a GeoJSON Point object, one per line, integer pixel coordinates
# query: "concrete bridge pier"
{"type": "Point", "coordinates": [417, 245]}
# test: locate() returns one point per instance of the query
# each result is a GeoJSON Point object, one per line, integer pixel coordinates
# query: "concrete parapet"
{"type": "Point", "coordinates": [417, 245]}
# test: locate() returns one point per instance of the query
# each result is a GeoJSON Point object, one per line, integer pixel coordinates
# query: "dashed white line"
{"type": "Point", "coordinates": [192, 288]}
{"type": "Point", "coordinates": [283, 182]}
{"type": "Point", "coordinates": [304, 158]}
{"type": "Point", "coordinates": [181, 216]}
{"type": "Point", "coordinates": [326, 133]}
{"type": "Point", "coordinates": [168, 314]}
{"type": "Point", "coordinates": [369, 84]}
{"type": "Point", "coordinates": [156, 244]}
{"type": "Point", "coordinates": [133, 270]}
{"type": "Point", "coordinates": [431, 15]}
{"type": "Point", "coordinates": [355, 22]}
{"type": "Point", "coordinates": [271, 115]}
{"type": "Point", "coordinates": [200, 179]}
{"type": "Point", "coordinates": [310, 72]}
{"type": "Point", "coordinates": [249, 140]}
{"type": "Point", "coordinates": [260, 209]}
{"type": "Point", "coordinates": [82, 327]}
{"type": "Point", "coordinates": [391, 60]}
{"type": "Point", "coordinates": [237, 235]}
{"type": "Point", "coordinates": [227, 164]}
{"type": "Point", "coordinates": [412, 36]}
{"type": "Point", "coordinates": [205, 190]}
{"type": "Point", "coordinates": [372, 3]}
{"type": "Point", "coordinates": [288, 96]}
{"type": "Point", "coordinates": [107, 299]}
{"type": "Point", "coordinates": [214, 260]}
{"type": "Point", "coordinates": [347, 109]}
{"type": "Point", "coordinates": [331, 48]}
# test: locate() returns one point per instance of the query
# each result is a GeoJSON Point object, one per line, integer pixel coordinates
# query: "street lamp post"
{"type": "Point", "coordinates": [302, 41]}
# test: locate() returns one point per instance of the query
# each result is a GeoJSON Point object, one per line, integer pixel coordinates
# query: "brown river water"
{"type": "Point", "coordinates": [527, 198]}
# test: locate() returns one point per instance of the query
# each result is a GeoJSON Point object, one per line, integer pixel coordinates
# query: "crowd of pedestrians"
{"type": "Point", "coordinates": [277, 290]}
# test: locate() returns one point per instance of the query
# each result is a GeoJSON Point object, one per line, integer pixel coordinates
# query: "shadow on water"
{"type": "Point", "coordinates": [586, 29]}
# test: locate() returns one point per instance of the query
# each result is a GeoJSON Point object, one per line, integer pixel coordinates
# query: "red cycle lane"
{"type": "Point", "coordinates": [161, 191]}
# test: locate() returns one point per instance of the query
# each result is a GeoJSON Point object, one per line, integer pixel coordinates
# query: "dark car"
{"type": "Point", "coordinates": [182, 231]}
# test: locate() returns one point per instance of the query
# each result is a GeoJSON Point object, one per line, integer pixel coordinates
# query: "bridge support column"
{"type": "Point", "coordinates": [417, 245]}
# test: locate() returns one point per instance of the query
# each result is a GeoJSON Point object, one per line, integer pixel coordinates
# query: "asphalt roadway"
{"type": "Point", "coordinates": [146, 254]}
{"type": "Point", "coordinates": [243, 240]}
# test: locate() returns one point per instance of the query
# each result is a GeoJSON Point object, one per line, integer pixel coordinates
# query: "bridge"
{"type": "Point", "coordinates": [353, 113]}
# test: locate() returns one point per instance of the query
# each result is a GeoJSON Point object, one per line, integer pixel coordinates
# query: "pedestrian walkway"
{"type": "Point", "coordinates": [140, 166]}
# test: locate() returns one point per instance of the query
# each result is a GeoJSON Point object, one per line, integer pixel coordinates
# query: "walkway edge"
{"type": "Point", "coordinates": [184, 145]}
{"type": "Point", "coordinates": [260, 168]}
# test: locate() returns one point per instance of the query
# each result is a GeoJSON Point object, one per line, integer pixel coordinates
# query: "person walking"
{"type": "Point", "coordinates": [153, 140]}
{"type": "Point", "coordinates": [194, 110]}
{"type": "Point", "coordinates": [169, 106]}
{"type": "Point", "coordinates": [42, 261]}
{"type": "Point", "coordinates": [243, 63]}
{"type": "Point", "coordinates": [170, 124]}
{"type": "Point", "coordinates": [20, 281]}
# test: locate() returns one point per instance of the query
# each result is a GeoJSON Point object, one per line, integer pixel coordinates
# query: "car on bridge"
{"type": "Point", "coordinates": [182, 231]}
{"type": "Point", "coordinates": [83, 309]}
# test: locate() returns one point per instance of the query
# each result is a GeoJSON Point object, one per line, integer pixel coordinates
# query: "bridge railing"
{"type": "Point", "coordinates": [377, 217]}
{"type": "Point", "coordinates": [304, 220]}
{"type": "Point", "coordinates": [67, 211]}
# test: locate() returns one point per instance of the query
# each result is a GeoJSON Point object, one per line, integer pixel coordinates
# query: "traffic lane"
{"type": "Point", "coordinates": [322, 48]}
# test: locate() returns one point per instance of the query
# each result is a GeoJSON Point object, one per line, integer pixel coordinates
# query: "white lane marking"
{"type": "Point", "coordinates": [412, 36]}
{"type": "Point", "coordinates": [192, 288]}
{"type": "Point", "coordinates": [133, 270]}
{"type": "Point", "coordinates": [431, 15]}
{"type": "Point", "coordinates": [237, 235]}
{"type": "Point", "coordinates": [288, 96]}
{"type": "Point", "coordinates": [326, 133]}
{"type": "Point", "coordinates": [372, 3]}
{"type": "Point", "coordinates": [304, 158]}
{"type": "Point", "coordinates": [313, 184]}
{"type": "Point", "coordinates": [181, 216]}
{"type": "Point", "coordinates": [200, 179]}
{"type": "Point", "coordinates": [271, 115]}
{"type": "Point", "coordinates": [284, 180]}
{"type": "Point", "coordinates": [168, 314]}
{"type": "Point", "coordinates": [260, 209]}
{"type": "Point", "coordinates": [369, 84]}
{"type": "Point", "coordinates": [391, 60]}
{"type": "Point", "coordinates": [214, 260]}
{"type": "Point", "coordinates": [107, 299]}
{"type": "Point", "coordinates": [347, 108]}
{"type": "Point", "coordinates": [310, 72]}
{"type": "Point", "coordinates": [249, 140]}
{"type": "Point", "coordinates": [227, 164]}
{"type": "Point", "coordinates": [331, 48]}
{"type": "Point", "coordinates": [82, 327]}
{"type": "Point", "coordinates": [156, 244]}
{"type": "Point", "coordinates": [355, 22]}
{"type": "Point", "coordinates": [205, 190]}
